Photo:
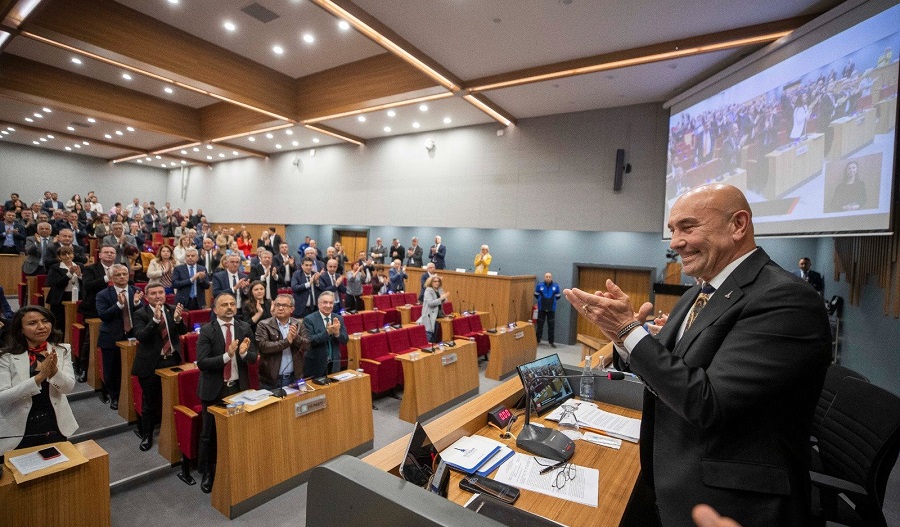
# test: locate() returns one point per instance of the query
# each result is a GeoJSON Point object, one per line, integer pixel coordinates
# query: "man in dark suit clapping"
{"type": "Point", "coordinates": [224, 349]}
{"type": "Point", "coordinates": [190, 281]}
{"type": "Point", "coordinates": [266, 273]}
{"type": "Point", "coordinates": [232, 280]}
{"type": "Point", "coordinates": [326, 334]}
{"type": "Point", "coordinates": [115, 306]}
{"type": "Point", "coordinates": [157, 327]}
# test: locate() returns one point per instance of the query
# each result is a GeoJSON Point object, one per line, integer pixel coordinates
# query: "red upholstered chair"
{"type": "Point", "coordinates": [197, 316]}
{"type": "Point", "coordinates": [140, 285]}
{"type": "Point", "coordinates": [189, 346]}
{"type": "Point", "coordinates": [415, 312]}
{"type": "Point", "coordinates": [372, 319]}
{"type": "Point", "coordinates": [377, 361]}
{"type": "Point", "coordinates": [23, 292]}
{"type": "Point", "coordinates": [354, 323]}
{"type": "Point", "coordinates": [79, 333]}
{"type": "Point", "coordinates": [382, 302]}
{"type": "Point", "coordinates": [187, 421]}
{"type": "Point", "coordinates": [170, 298]}
{"type": "Point", "coordinates": [367, 289]}
{"type": "Point", "coordinates": [253, 374]}
{"type": "Point", "coordinates": [448, 308]}
{"type": "Point", "coordinates": [137, 397]}
{"type": "Point", "coordinates": [37, 296]}
{"type": "Point", "coordinates": [398, 299]}
{"type": "Point", "coordinates": [285, 291]}
{"type": "Point", "coordinates": [482, 341]}
{"type": "Point", "coordinates": [410, 298]}
{"type": "Point", "coordinates": [398, 342]}
{"type": "Point", "coordinates": [418, 338]}
{"type": "Point", "coordinates": [460, 328]}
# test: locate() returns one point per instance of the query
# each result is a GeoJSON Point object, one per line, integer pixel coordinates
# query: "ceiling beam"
{"type": "Point", "coordinates": [252, 152]}
{"type": "Point", "coordinates": [135, 157]}
{"type": "Point", "coordinates": [37, 83]}
{"type": "Point", "coordinates": [223, 120]}
{"type": "Point", "coordinates": [142, 44]}
{"type": "Point", "coordinates": [732, 38]}
{"type": "Point", "coordinates": [334, 132]}
{"type": "Point", "coordinates": [73, 137]}
{"type": "Point", "coordinates": [14, 12]}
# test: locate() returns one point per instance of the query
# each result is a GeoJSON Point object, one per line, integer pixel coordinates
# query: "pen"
{"type": "Point", "coordinates": [552, 467]}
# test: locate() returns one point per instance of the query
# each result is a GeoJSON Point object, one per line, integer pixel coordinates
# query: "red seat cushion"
{"type": "Point", "coordinates": [372, 319]}
{"type": "Point", "coordinates": [189, 346]}
{"type": "Point", "coordinates": [354, 323]}
{"type": "Point", "coordinates": [398, 341]}
{"type": "Point", "coordinates": [137, 395]}
{"type": "Point", "coordinates": [417, 337]}
{"type": "Point", "coordinates": [382, 301]}
{"type": "Point", "coordinates": [398, 299]}
{"type": "Point", "coordinates": [410, 298]}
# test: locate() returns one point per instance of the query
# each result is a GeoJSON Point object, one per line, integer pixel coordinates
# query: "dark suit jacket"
{"type": "Point", "coordinates": [284, 274]}
{"type": "Point", "coordinates": [271, 344]}
{"type": "Point", "coordinates": [112, 329]}
{"type": "Point", "coordinates": [439, 256]}
{"type": "Point", "coordinates": [51, 255]}
{"type": "Point", "coordinates": [181, 281]}
{"type": "Point", "coordinates": [47, 206]}
{"type": "Point", "coordinates": [211, 347]}
{"type": "Point", "coordinates": [33, 255]}
{"type": "Point", "coordinates": [315, 362]}
{"type": "Point", "coordinates": [214, 259]}
{"type": "Point", "coordinates": [397, 253]}
{"type": "Point", "coordinates": [416, 259]}
{"type": "Point", "coordinates": [325, 284]}
{"type": "Point", "coordinates": [57, 280]}
{"type": "Point", "coordinates": [220, 284]}
{"type": "Point", "coordinates": [19, 234]}
{"type": "Point", "coordinates": [150, 341]}
{"type": "Point", "coordinates": [814, 279]}
{"type": "Point", "coordinates": [728, 407]}
{"type": "Point", "coordinates": [256, 272]}
{"type": "Point", "coordinates": [303, 289]}
{"type": "Point", "coordinates": [94, 280]}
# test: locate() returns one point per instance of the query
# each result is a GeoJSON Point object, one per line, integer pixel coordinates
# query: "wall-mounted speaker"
{"type": "Point", "coordinates": [622, 168]}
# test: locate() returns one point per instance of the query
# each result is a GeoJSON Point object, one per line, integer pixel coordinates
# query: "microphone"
{"type": "Point", "coordinates": [615, 376]}
{"type": "Point", "coordinates": [515, 312]}
{"type": "Point", "coordinates": [458, 299]}
{"type": "Point", "coordinates": [494, 325]}
{"type": "Point", "coordinates": [43, 434]}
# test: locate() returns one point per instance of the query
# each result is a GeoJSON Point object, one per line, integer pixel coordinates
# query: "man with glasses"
{"type": "Point", "coordinates": [326, 334]}
{"type": "Point", "coordinates": [282, 340]}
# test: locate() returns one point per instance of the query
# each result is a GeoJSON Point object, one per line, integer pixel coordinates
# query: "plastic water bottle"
{"type": "Point", "coordinates": [587, 380]}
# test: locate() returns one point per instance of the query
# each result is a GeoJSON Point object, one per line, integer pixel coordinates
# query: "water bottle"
{"type": "Point", "coordinates": [587, 380]}
{"type": "Point", "coordinates": [196, 327]}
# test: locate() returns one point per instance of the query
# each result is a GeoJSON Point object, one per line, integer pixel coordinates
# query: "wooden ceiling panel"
{"type": "Point", "coordinates": [31, 81]}
{"type": "Point", "coordinates": [224, 120]}
{"type": "Point", "coordinates": [137, 40]}
{"type": "Point", "coordinates": [357, 85]}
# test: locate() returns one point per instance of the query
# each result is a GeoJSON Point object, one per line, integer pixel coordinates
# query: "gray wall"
{"type": "Point", "coordinates": [30, 171]}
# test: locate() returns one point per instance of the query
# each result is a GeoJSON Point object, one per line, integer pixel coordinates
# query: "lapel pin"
{"type": "Point", "coordinates": [728, 294]}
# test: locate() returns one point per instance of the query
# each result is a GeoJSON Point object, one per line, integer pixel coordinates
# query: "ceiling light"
{"type": "Point", "coordinates": [70, 128]}
{"type": "Point", "coordinates": [208, 157]}
{"type": "Point", "coordinates": [39, 116]}
{"type": "Point", "coordinates": [209, 147]}
{"type": "Point", "coordinates": [77, 145]}
{"type": "Point", "coordinates": [235, 153]}
{"type": "Point", "coordinates": [229, 25]}
{"type": "Point", "coordinates": [76, 60]}
{"type": "Point", "coordinates": [85, 143]}
{"type": "Point", "coordinates": [158, 157]}
{"type": "Point", "coordinates": [184, 152]}
{"type": "Point", "coordinates": [36, 142]}
{"type": "Point", "coordinates": [343, 24]}
{"type": "Point", "coordinates": [361, 118]}
{"type": "Point", "coordinates": [315, 139]}
{"type": "Point", "coordinates": [387, 128]}
{"type": "Point", "coordinates": [308, 38]}
{"type": "Point", "coordinates": [278, 50]}
{"type": "Point", "coordinates": [126, 76]}
{"type": "Point", "coordinates": [423, 107]}
{"type": "Point", "coordinates": [221, 154]}
{"type": "Point", "coordinates": [447, 120]}
{"type": "Point", "coordinates": [42, 139]}
{"type": "Point", "coordinates": [4, 132]}
{"type": "Point", "coordinates": [172, 163]}
{"type": "Point", "coordinates": [269, 136]}
{"type": "Point", "coordinates": [195, 149]}
{"type": "Point", "coordinates": [68, 148]}
{"type": "Point", "coordinates": [183, 162]}
{"type": "Point", "coordinates": [91, 120]}
{"type": "Point", "coordinates": [119, 132]}
{"type": "Point", "coordinates": [289, 132]}
{"type": "Point", "coordinates": [29, 119]}
{"type": "Point", "coordinates": [130, 129]}
{"type": "Point", "coordinates": [251, 139]}
{"type": "Point", "coordinates": [174, 2]}
{"type": "Point", "coordinates": [140, 161]}
{"type": "Point", "coordinates": [168, 90]}
{"type": "Point", "coordinates": [50, 136]}
{"type": "Point", "coordinates": [392, 113]}
{"type": "Point", "coordinates": [416, 124]}
{"type": "Point", "coordinates": [107, 136]}
{"type": "Point", "coordinates": [10, 128]}
{"type": "Point", "coordinates": [163, 164]}
{"type": "Point", "coordinates": [47, 110]}
{"type": "Point", "coordinates": [295, 143]}
{"type": "Point", "coordinates": [149, 158]}
{"type": "Point", "coordinates": [278, 146]}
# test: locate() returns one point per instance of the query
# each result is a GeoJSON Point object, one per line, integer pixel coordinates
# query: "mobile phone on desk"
{"type": "Point", "coordinates": [176, 368]}
{"type": "Point", "coordinates": [49, 453]}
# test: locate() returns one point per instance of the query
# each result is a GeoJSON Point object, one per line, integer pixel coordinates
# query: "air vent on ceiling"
{"type": "Point", "coordinates": [260, 13]}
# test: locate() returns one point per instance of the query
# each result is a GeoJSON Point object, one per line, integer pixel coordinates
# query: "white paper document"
{"type": "Point", "coordinates": [588, 415]}
{"type": "Point", "coordinates": [252, 397]}
{"type": "Point", "coordinates": [597, 439]}
{"type": "Point", "coordinates": [28, 463]}
{"type": "Point", "coordinates": [524, 471]}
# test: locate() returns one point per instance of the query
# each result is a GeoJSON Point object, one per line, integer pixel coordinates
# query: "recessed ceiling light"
{"type": "Point", "coordinates": [278, 50]}
{"type": "Point", "coordinates": [141, 161]}
{"type": "Point", "coordinates": [208, 157]}
{"type": "Point", "coordinates": [29, 119]}
{"type": "Point", "coordinates": [174, 2]}
{"type": "Point", "coordinates": [172, 163]}
{"type": "Point", "coordinates": [158, 157]}
{"type": "Point", "coordinates": [289, 132]}
{"type": "Point", "coordinates": [91, 120]}
{"type": "Point", "coordinates": [4, 132]}
{"type": "Point", "coordinates": [251, 139]}
{"type": "Point", "coordinates": [130, 129]}
{"type": "Point", "coordinates": [308, 38]}
{"type": "Point", "coordinates": [343, 24]}
{"type": "Point", "coordinates": [183, 162]}
{"type": "Point", "coordinates": [209, 147]}
{"type": "Point", "coordinates": [39, 116]}
{"type": "Point", "coordinates": [10, 128]}
{"type": "Point", "coordinates": [126, 76]}
{"type": "Point", "coordinates": [447, 120]}
{"type": "Point", "coordinates": [42, 139]}
{"type": "Point", "coordinates": [392, 113]}
{"type": "Point", "coordinates": [77, 145]}
{"type": "Point", "coordinates": [85, 143]}
{"type": "Point", "coordinates": [168, 90]}
{"type": "Point", "coordinates": [235, 153]}
{"type": "Point", "coordinates": [76, 60]}
{"type": "Point", "coordinates": [163, 164]}
{"type": "Point", "coordinates": [50, 136]}
{"type": "Point", "coordinates": [416, 124]}
{"type": "Point", "coordinates": [423, 107]}
{"type": "Point", "coordinates": [295, 143]}
{"type": "Point", "coordinates": [68, 148]}
{"type": "Point", "coordinates": [149, 158]}
{"type": "Point", "coordinates": [221, 154]}
{"type": "Point", "coordinates": [195, 149]}
{"type": "Point", "coordinates": [36, 142]}
{"type": "Point", "coordinates": [269, 136]}
{"type": "Point", "coordinates": [361, 118]}
{"type": "Point", "coordinates": [107, 136]}
{"type": "Point", "coordinates": [278, 146]}
{"type": "Point", "coordinates": [184, 152]}
{"type": "Point", "coordinates": [229, 25]}
{"type": "Point", "coordinates": [70, 128]}
{"type": "Point", "coordinates": [47, 110]}
{"type": "Point", "coordinates": [387, 128]}
{"type": "Point", "coordinates": [315, 139]}
{"type": "Point", "coordinates": [119, 132]}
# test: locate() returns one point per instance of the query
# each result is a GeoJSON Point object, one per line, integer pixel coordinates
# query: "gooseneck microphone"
{"type": "Point", "coordinates": [493, 328]}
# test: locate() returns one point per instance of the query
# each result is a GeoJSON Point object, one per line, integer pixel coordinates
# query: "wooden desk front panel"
{"type": "Point", "coordinates": [75, 497]}
{"type": "Point", "coordinates": [128, 349]}
{"type": "Point", "coordinates": [71, 310]}
{"type": "Point", "coordinates": [168, 439]}
{"type": "Point", "coordinates": [95, 374]}
{"type": "Point", "coordinates": [511, 296]}
{"type": "Point", "coordinates": [11, 272]}
{"type": "Point", "coordinates": [260, 449]}
{"type": "Point", "coordinates": [427, 383]}
{"type": "Point", "coordinates": [511, 349]}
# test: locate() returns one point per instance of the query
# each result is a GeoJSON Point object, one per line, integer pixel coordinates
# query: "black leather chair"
{"type": "Point", "coordinates": [858, 444]}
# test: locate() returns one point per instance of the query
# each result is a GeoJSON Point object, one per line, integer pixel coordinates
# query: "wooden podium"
{"type": "Point", "coordinates": [511, 296]}
{"type": "Point", "coordinates": [128, 349]}
{"type": "Point", "coordinates": [94, 374]}
{"type": "Point", "coordinates": [436, 381]}
{"type": "Point", "coordinates": [252, 470]}
{"type": "Point", "coordinates": [75, 497]}
{"type": "Point", "coordinates": [511, 348]}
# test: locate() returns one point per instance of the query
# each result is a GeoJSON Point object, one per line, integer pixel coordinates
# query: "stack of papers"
{"type": "Point", "coordinates": [251, 397]}
{"type": "Point", "coordinates": [524, 472]}
{"type": "Point", "coordinates": [476, 454]}
{"type": "Point", "coordinates": [589, 416]}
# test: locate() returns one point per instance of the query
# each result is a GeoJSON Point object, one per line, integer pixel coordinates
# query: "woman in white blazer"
{"type": "Point", "coordinates": [35, 374]}
{"type": "Point", "coordinates": [432, 305]}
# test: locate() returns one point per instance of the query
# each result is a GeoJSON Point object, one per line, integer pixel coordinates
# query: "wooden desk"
{"type": "Point", "coordinates": [251, 471]}
{"type": "Point", "coordinates": [94, 374]}
{"type": "Point", "coordinates": [511, 348]}
{"type": "Point", "coordinates": [431, 386]}
{"type": "Point", "coordinates": [168, 439]}
{"type": "Point", "coordinates": [852, 133]}
{"type": "Point", "coordinates": [883, 109]}
{"type": "Point", "coordinates": [79, 495]}
{"type": "Point", "coordinates": [618, 468]}
{"type": "Point", "coordinates": [71, 310]}
{"type": "Point", "coordinates": [447, 324]}
{"type": "Point", "coordinates": [791, 165]}
{"type": "Point", "coordinates": [511, 296]}
{"type": "Point", "coordinates": [128, 349]}
{"type": "Point", "coordinates": [405, 316]}
{"type": "Point", "coordinates": [11, 272]}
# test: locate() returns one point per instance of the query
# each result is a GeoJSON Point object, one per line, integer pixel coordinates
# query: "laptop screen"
{"type": "Point", "coordinates": [545, 393]}
{"type": "Point", "coordinates": [422, 464]}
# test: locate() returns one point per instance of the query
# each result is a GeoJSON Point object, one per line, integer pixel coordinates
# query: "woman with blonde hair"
{"type": "Point", "coordinates": [161, 268]}
{"type": "Point", "coordinates": [184, 243]}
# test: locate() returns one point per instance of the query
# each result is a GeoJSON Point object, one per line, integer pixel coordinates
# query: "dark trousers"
{"type": "Point", "coordinates": [84, 353]}
{"type": "Point", "coordinates": [302, 311]}
{"type": "Point", "coordinates": [206, 454]}
{"type": "Point", "coordinates": [193, 304]}
{"type": "Point", "coordinates": [59, 311]}
{"type": "Point", "coordinates": [550, 318]}
{"type": "Point", "coordinates": [354, 303]}
{"type": "Point", "coordinates": [112, 371]}
{"type": "Point", "coordinates": [9, 250]}
{"type": "Point", "coordinates": [151, 400]}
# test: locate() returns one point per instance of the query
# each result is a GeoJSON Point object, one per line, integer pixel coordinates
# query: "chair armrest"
{"type": "Point", "coordinates": [190, 414]}
{"type": "Point", "coordinates": [370, 361]}
{"type": "Point", "coordinates": [837, 484]}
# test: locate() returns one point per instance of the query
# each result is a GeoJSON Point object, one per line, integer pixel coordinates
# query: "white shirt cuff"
{"type": "Point", "coordinates": [225, 358]}
{"type": "Point", "coordinates": [630, 342]}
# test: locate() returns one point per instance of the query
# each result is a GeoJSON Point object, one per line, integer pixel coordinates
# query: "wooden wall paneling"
{"type": "Point", "coordinates": [11, 272]}
{"type": "Point", "coordinates": [132, 38]}
{"type": "Point", "coordinates": [32, 81]}
{"type": "Point", "coordinates": [637, 283]}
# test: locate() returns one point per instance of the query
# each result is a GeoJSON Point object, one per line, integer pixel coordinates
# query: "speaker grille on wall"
{"type": "Point", "coordinates": [621, 169]}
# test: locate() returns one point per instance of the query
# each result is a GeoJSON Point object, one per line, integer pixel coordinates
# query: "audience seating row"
{"type": "Point", "coordinates": [466, 327]}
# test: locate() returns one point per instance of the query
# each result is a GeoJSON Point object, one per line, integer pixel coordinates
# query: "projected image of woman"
{"type": "Point", "coordinates": [850, 194]}
{"type": "Point", "coordinates": [801, 114]}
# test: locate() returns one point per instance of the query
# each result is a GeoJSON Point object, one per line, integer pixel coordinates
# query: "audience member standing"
{"type": "Point", "coordinates": [190, 281]}
{"type": "Point", "coordinates": [35, 249]}
{"type": "Point", "coordinates": [305, 286]}
{"type": "Point", "coordinates": [282, 340]}
{"type": "Point", "coordinates": [546, 294]}
{"type": "Point", "coordinates": [326, 332]}
{"type": "Point", "coordinates": [115, 306]}
{"type": "Point", "coordinates": [806, 273]}
{"type": "Point", "coordinates": [438, 253]}
{"type": "Point", "coordinates": [483, 260]}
